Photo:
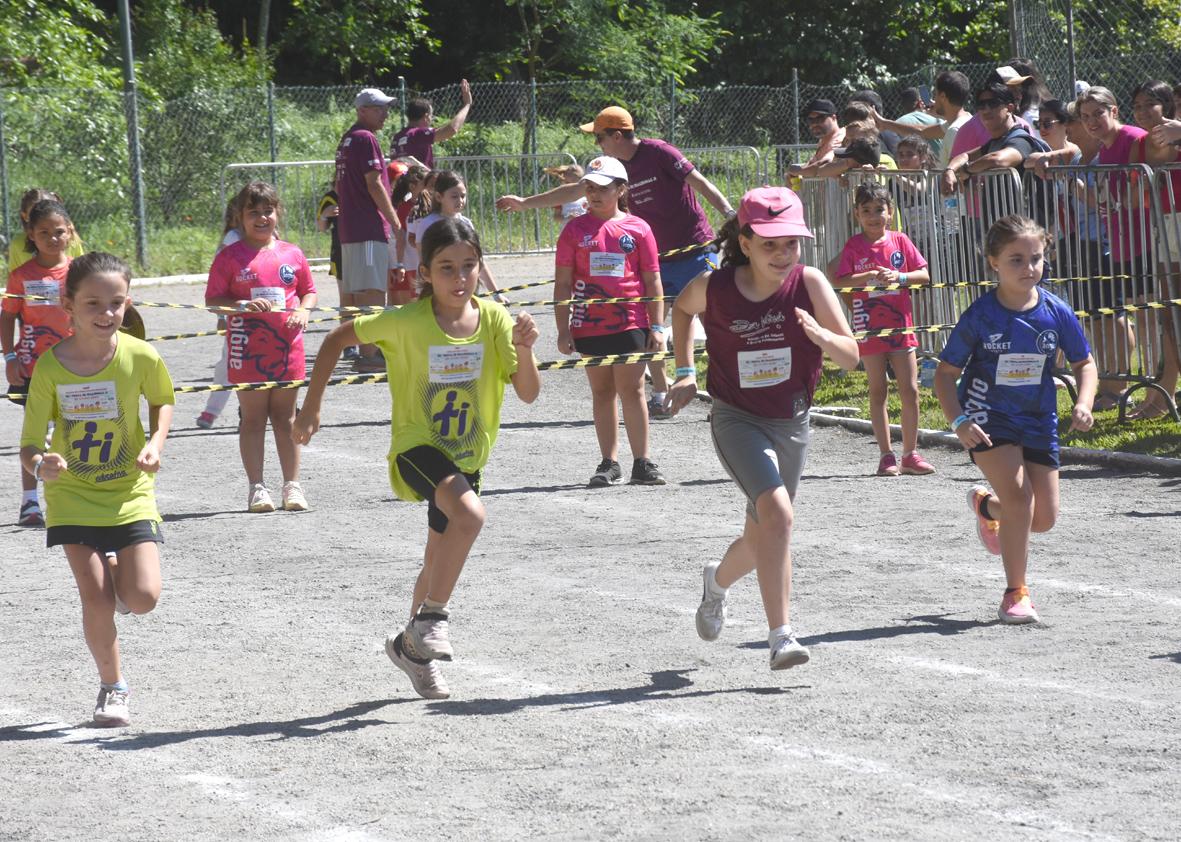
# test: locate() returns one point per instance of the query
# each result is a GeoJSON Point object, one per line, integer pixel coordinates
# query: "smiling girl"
{"type": "Point", "coordinates": [269, 282]}
{"type": "Point", "coordinates": [1004, 410]}
{"type": "Point", "coordinates": [99, 473]}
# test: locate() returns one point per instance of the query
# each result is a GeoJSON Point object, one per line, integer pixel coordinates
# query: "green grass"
{"type": "Point", "coordinates": [1160, 437]}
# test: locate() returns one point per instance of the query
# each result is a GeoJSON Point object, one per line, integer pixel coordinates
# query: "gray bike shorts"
{"type": "Point", "coordinates": [759, 453]}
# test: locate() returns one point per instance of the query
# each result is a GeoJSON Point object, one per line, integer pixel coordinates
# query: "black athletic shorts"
{"type": "Point", "coordinates": [423, 468]}
{"type": "Point", "coordinates": [18, 394]}
{"type": "Point", "coordinates": [634, 341]}
{"type": "Point", "coordinates": [1037, 456]}
{"type": "Point", "coordinates": [105, 539]}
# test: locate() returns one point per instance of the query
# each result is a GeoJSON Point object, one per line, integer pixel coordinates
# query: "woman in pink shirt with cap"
{"type": "Point", "coordinates": [768, 321]}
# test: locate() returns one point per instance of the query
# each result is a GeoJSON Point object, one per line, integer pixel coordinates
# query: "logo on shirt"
{"type": "Point", "coordinates": [1047, 342]}
{"type": "Point", "coordinates": [247, 275]}
{"type": "Point", "coordinates": [627, 244]}
{"type": "Point", "coordinates": [749, 330]}
{"type": "Point", "coordinates": [897, 260]}
{"type": "Point", "coordinates": [680, 165]}
{"type": "Point", "coordinates": [287, 274]}
{"type": "Point", "coordinates": [994, 344]}
{"type": "Point", "coordinates": [588, 240]}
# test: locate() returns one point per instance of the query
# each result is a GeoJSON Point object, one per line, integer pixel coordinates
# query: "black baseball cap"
{"type": "Point", "coordinates": [820, 106]}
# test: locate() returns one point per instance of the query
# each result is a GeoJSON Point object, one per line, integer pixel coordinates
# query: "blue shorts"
{"type": "Point", "coordinates": [676, 273]}
{"type": "Point", "coordinates": [1036, 448]}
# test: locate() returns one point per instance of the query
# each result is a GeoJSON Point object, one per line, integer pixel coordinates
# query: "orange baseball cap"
{"type": "Point", "coordinates": [610, 118]}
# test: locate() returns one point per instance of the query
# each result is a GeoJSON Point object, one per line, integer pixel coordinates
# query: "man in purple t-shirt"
{"type": "Point", "coordinates": [418, 139]}
{"type": "Point", "coordinates": [660, 190]}
{"type": "Point", "coordinates": [366, 214]}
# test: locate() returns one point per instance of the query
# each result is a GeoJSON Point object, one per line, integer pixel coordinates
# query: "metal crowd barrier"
{"type": "Point", "coordinates": [779, 157]}
{"type": "Point", "coordinates": [732, 169]}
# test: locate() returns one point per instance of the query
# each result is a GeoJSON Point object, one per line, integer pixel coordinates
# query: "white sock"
{"type": "Point", "coordinates": [714, 587]}
{"type": "Point", "coordinates": [26, 496]}
{"type": "Point", "coordinates": [659, 396]}
{"type": "Point", "coordinates": [776, 632]}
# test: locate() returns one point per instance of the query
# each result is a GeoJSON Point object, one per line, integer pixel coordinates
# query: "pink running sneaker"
{"type": "Point", "coordinates": [916, 465]}
{"type": "Point", "coordinates": [888, 466]}
{"type": "Point", "coordinates": [988, 531]}
{"type": "Point", "coordinates": [1017, 608]}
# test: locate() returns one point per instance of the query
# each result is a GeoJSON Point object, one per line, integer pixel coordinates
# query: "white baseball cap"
{"type": "Point", "coordinates": [372, 96]}
{"type": "Point", "coordinates": [604, 169]}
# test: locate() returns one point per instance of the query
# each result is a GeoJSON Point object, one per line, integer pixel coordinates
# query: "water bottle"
{"type": "Point", "coordinates": [927, 368]}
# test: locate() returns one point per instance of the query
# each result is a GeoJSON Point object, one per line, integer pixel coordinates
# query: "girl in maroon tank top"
{"type": "Point", "coordinates": [768, 321]}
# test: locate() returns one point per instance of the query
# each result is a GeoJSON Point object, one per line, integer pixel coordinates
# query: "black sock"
{"type": "Point", "coordinates": [984, 509]}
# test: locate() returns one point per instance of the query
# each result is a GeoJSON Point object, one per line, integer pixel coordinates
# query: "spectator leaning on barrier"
{"type": "Point", "coordinates": [662, 184]}
{"type": "Point", "coordinates": [821, 117]}
{"type": "Point", "coordinates": [951, 92]}
{"type": "Point", "coordinates": [1010, 144]}
{"type": "Point", "coordinates": [418, 139]}
{"type": "Point", "coordinates": [367, 215]}
{"type": "Point", "coordinates": [972, 133]}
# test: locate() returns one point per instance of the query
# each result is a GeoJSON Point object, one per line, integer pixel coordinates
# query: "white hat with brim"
{"type": "Point", "coordinates": [372, 96]}
{"type": "Point", "coordinates": [1010, 76]}
{"type": "Point", "coordinates": [605, 170]}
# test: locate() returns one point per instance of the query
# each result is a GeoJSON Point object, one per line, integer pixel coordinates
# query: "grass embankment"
{"type": "Point", "coordinates": [1159, 437]}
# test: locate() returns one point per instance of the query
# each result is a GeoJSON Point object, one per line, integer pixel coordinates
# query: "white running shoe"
{"type": "Point", "coordinates": [111, 708]}
{"type": "Point", "coordinates": [260, 498]}
{"type": "Point", "coordinates": [425, 676]}
{"type": "Point", "coordinates": [293, 498]}
{"type": "Point", "coordinates": [428, 637]}
{"type": "Point", "coordinates": [787, 652]}
{"type": "Point", "coordinates": [711, 613]}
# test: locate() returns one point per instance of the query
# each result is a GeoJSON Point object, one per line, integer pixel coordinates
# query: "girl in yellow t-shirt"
{"type": "Point", "coordinates": [454, 355]}
{"type": "Point", "coordinates": [98, 472]}
{"type": "Point", "coordinates": [23, 249]}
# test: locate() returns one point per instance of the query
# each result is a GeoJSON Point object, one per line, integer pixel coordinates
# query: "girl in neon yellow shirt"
{"type": "Point", "coordinates": [99, 474]}
{"type": "Point", "coordinates": [453, 355]}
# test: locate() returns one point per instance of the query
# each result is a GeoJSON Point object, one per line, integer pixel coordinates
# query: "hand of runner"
{"type": "Point", "coordinates": [52, 466]}
{"type": "Point", "coordinates": [971, 434]}
{"type": "Point", "coordinates": [148, 459]}
{"type": "Point", "coordinates": [1081, 418]}
{"type": "Point", "coordinates": [12, 371]}
{"type": "Point", "coordinates": [680, 393]}
{"type": "Point", "coordinates": [258, 305]}
{"type": "Point", "coordinates": [565, 342]}
{"type": "Point", "coordinates": [298, 318]}
{"type": "Point", "coordinates": [525, 331]}
{"type": "Point", "coordinates": [811, 327]}
{"type": "Point", "coordinates": [655, 341]}
{"type": "Point", "coordinates": [306, 425]}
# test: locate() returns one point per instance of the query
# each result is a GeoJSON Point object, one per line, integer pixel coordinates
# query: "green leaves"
{"type": "Point", "coordinates": [359, 39]}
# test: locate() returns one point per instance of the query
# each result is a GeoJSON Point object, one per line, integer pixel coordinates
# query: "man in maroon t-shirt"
{"type": "Point", "coordinates": [661, 185]}
{"type": "Point", "coordinates": [418, 139]}
{"type": "Point", "coordinates": [366, 214]}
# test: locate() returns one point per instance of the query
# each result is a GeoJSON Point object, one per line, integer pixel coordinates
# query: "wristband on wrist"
{"type": "Point", "coordinates": [686, 371]}
{"type": "Point", "coordinates": [730, 213]}
{"type": "Point", "coordinates": [37, 469]}
{"type": "Point", "coordinates": [657, 328]}
{"type": "Point", "coordinates": [901, 277]}
{"type": "Point", "coordinates": [959, 421]}
{"type": "Point", "coordinates": [9, 356]}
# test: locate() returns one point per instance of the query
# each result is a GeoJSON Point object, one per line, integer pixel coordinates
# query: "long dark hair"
{"type": "Point", "coordinates": [42, 209]}
{"type": "Point", "coordinates": [446, 232]}
{"type": "Point", "coordinates": [731, 250]}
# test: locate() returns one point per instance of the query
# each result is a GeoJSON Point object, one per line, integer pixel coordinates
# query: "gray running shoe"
{"type": "Point", "coordinates": [427, 633]}
{"type": "Point", "coordinates": [111, 708]}
{"type": "Point", "coordinates": [787, 652]}
{"type": "Point", "coordinates": [608, 473]}
{"type": "Point", "coordinates": [656, 410]}
{"type": "Point", "coordinates": [711, 613]}
{"type": "Point", "coordinates": [425, 676]}
{"type": "Point", "coordinates": [645, 472]}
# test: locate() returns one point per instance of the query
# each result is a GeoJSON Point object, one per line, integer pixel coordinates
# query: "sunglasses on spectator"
{"type": "Point", "coordinates": [1042, 125]}
{"type": "Point", "coordinates": [817, 118]}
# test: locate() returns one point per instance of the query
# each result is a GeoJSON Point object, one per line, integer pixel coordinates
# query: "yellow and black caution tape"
{"type": "Point", "coordinates": [665, 255]}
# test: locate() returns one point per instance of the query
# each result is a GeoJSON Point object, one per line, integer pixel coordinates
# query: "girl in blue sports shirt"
{"type": "Point", "coordinates": [1005, 407]}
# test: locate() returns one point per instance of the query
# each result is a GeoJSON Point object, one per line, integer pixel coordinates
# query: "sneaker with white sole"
{"type": "Point", "coordinates": [425, 675]}
{"type": "Point", "coordinates": [260, 498]}
{"type": "Point", "coordinates": [31, 514]}
{"type": "Point", "coordinates": [656, 410]}
{"type": "Point", "coordinates": [608, 473]}
{"type": "Point", "coordinates": [711, 613]}
{"type": "Point", "coordinates": [787, 652]}
{"type": "Point", "coordinates": [111, 709]}
{"type": "Point", "coordinates": [293, 497]}
{"type": "Point", "coordinates": [1017, 608]}
{"type": "Point", "coordinates": [645, 472]}
{"type": "Point", "coordinates": [428, 637]}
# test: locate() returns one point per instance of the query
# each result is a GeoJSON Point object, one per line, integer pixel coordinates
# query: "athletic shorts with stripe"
{"type": "Point", "coordinates": [759, 453]}
{"type": "Point", "coordinates": [423, 468]}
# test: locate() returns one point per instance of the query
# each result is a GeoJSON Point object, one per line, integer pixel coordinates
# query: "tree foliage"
{"type": "Point", "coordinates": [359, 39]}
{"type": "Point", "coordinates": [52, 43]}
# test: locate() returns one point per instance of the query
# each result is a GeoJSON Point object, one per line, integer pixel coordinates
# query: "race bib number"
{"type": "Point", "coordinates": [455, 363]}
{"type": "Point", "coordinates": [44, 289]}
{"type": "Point", "coordinates": [763, 368]}
{"type": "Point", "coordinates": [275, 295]}
{"type": "Point", "coordinates": [1020, 369]}
{"type": "Point", "coordinates": [604, 264]}
{"type": "Point", "coordinates": [88, 401]}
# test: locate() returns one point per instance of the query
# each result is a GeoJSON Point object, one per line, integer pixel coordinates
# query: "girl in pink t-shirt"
{"type": "Point", "coordinates": [270, 283]}
{"type": "Point", "coordinates": [608, 253]}
{"type": "Point", "coordinates": [880, 257]}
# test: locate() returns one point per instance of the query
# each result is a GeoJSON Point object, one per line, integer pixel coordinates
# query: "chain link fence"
{"type": "Point", "coordinates": [76, 143]}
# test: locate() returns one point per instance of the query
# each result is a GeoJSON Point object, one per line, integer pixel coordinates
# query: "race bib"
{"type": "Point", "coordinates": [456, 363]}
{"type": "Point", "coordinates": [605, 264]}
{"type": "Point", "coordinates": [275, 295]}
{"type": "Point", "coordinates": [88, 401]}
{"type": "Point", "coordinates": [1020, 369]}
{"type": "Point", "coordinates": [880, 293]}
{"type": "Point", "coordinates": [763, 368]}
{"type": "Point", "coordinates": [45, 289]}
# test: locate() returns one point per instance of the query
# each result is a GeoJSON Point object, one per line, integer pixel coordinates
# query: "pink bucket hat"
{"type": "Point", "coordinates": [773, 212]}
